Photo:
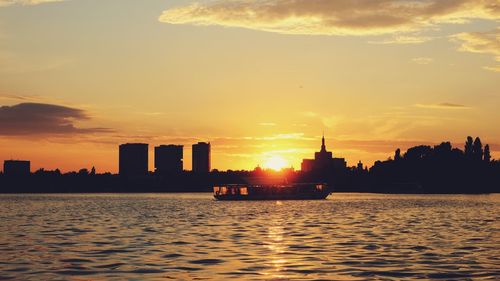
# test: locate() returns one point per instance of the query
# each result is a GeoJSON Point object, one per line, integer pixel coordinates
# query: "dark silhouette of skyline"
{"type": "Point", "coordinates": [133, 159]}
{"type": "Point", "coordinates": [440, 169]}
{"type": "Point", "coordinates": [169, 159]}
{"type": "Point", "coordinates": [323, 161]}
{"type": "Point", "coordinates": [201, 157]}
{"type": "Point", "coordinates": [16, 168]}
{"type": "Point", "coordinates": [420, 169]}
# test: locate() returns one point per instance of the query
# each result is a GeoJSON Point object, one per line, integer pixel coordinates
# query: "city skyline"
{"type": "Point", "coordinates": [374, 75]}
{"type": "Point", "coordinates": [168, 159]}
{"type": "Point", "coordinates": [134, 159]}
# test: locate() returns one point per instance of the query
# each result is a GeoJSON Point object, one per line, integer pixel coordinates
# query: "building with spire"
{"type": "Point", "coordinates": [323, 161]}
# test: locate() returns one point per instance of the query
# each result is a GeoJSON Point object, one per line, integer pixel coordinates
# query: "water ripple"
{"type": "Point", "coordinates": [191, 236]}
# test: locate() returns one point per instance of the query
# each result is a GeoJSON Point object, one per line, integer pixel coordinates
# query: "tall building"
{"type": "Point", "coordinates": [323, 161]}
{"type": "Point", "coordinates": [201, 157]}
{"type": "Point", "coordinates": [168, 159]}
{"type": "Point", "coordinates": [133, 159]}
{"type": "Point", "coordinates": [16, 168]}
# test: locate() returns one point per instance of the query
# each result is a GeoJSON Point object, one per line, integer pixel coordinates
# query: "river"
{"type": "Point", "coordinates": [190, 236]}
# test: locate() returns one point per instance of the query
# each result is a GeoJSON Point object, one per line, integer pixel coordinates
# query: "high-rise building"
{"type": "Point", "coordinates": [168, 159]}
{"type": "Point", "coordinates": [201, 157]}
{"type": "Point", "coordinates": [133, 159]}
{"type": "Point", "coordinates": [16, 168]}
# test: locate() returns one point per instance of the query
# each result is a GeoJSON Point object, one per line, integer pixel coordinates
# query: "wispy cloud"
{"type": "Point", "coordinates": [288, 136]}
{"type": "Point", "coordinates": [326, 17]}
{"type": "Point", "coordinates": [267, 124]}
{"type": "Point", "coordinates": [5, 3]}
{"type": "Point", "coordinates": [43, 119]}
{"type": "Point", "coordinates": [422, 60]}
{"type": "Point", "coordinates": [495, 68]}
{"type": "Point", "coordinates": [310, 114]}
{"type": "Point", "coordinates": [18, 98]}
{"type": "Point", "coordinates": [482, 43]}
{"type": "Point", "coordinates": [444, 105]}
{"type": "Point", "coordinates": [403, 40]}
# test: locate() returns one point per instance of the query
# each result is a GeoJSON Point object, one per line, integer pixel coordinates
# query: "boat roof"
{"type": "Point", "coordinates": [268, 185]}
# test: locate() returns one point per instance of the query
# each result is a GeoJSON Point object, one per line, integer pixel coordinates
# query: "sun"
{"type": "Point", "coordinates": [276, 163]}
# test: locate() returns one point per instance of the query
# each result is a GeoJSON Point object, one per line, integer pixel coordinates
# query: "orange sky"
{"type": "Point", "coordinates": [260, 80]}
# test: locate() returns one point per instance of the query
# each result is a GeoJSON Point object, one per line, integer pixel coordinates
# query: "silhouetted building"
{"type": "Point", "coordinates": [307, 165]}
{"type": "Point", "coordinates": [360, 166]}
{"type": "Point", "coordinates": [133, 159]}
{"type": "Point", "coordinates": [168, 159]}
{"type": "Point", "coordinates": [323, 161]}
{"type": "Point", "coordinates": [201, 157]}
{"type": "Point", "coordinates": [16, 168]}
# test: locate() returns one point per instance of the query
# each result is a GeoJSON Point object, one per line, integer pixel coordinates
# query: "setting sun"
{"type": "Point", "coordinates": [276, 162]}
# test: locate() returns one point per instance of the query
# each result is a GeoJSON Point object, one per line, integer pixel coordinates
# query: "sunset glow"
{"type": "Point", "coordinates": [276, 162]}
{"type": "Point", "coordinates": [253, 78]}
{"type": "Point", "coordinates": [249, 139]}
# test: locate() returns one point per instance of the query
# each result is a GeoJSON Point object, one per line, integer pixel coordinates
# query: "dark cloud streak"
{"type": "Point", "coordinates": [43, 119]}
{"type": "Point", "coordinates": [443, 105]}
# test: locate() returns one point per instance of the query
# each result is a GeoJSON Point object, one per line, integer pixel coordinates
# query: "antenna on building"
{"type": "Point", "coordinates": [323, 146]}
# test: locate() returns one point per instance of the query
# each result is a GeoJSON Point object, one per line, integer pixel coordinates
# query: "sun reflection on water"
{"type": "Point", "coordinates": [276, 246]}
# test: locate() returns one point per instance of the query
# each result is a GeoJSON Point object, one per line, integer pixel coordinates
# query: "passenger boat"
{"type": "Point", "coordinates": [303, 191]}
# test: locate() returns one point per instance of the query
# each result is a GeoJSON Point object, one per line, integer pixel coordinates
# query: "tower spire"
{"type": "Point", "coordinates": [323, 146]}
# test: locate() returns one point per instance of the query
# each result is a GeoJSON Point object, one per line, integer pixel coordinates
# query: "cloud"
{"type": "Point", "coordinates": [289, 136]}
{"type": "Point", "coordinates": [326, 17]}
{"type": "Point", "coordinates": [310, 114]}
{"type": "Point", "coordinates": [5, 3]}
{"type": "Point", "coordinates": [495, 68]}
{"type": "Point", "coordinates": [444, 105]}
{"type": "Point", "coordinates": [403, 40]}
{"type": "Point", "coordinates": [267, 124]}
{"type": "Point", "coordinates": [18, 97]}
{"type": "Point", "coordinates": [482, 43]}
{"type": "Point", "coordinates": [43, 119]}
{"type": "Point", "coordinates": [422, 60]}
{"type": "Point", "coordinates": [21, 98]}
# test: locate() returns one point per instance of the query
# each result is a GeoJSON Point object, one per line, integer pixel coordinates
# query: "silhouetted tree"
{"type": "Point", "coordinates": [83, 172]}
{"type": "Point", "coordinates": [487, 155]}
{"type": "Point", "coordinates": [477, 149]}
{"type": "Point", "coordinates": [92, 171]}
{"type": "Point", "coordinates": [418, 152]}
{"type": "Point", "coordinates": [443, 150]}
{"type": "Point", "coordinates": [40, 171]}
{"type": "Point", "coordinates": [468, 147]}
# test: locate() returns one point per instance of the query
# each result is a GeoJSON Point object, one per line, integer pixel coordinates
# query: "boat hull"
{"type": "Point", "coordinates": [275, 197]}
{"type": "Point", "coordinates": [271, 192]}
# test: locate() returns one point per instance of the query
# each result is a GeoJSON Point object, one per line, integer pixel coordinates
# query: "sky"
{"type": "Point", "coordinates": [261, 80]}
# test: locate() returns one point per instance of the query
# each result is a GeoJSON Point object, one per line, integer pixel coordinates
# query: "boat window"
{"type": "Point", "coordinates": [319, 187]}
{"type": "Point", "coordinates": [243, 191]}
{"type": "Point", "coordinates": [223, 190]}
{"type": "Point", "coordinates": [216, 190]}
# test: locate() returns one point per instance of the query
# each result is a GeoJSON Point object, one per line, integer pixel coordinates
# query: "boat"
{"type": "Point", "coordinates": [298, 191]}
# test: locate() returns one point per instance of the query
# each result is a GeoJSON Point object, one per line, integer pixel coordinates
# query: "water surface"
{"type": "Point", "coordinates": [191, 236]}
